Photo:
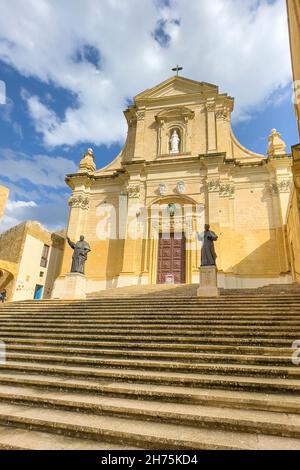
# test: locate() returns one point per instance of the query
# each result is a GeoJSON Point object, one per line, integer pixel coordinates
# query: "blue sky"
{"type": "Point", "coordinates": [71, 67]}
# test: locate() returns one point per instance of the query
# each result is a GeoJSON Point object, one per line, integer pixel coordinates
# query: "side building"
{"type": "Point", "coordinates": [293, 214]}
{"type": "Point", "coordinates": [30, 261]}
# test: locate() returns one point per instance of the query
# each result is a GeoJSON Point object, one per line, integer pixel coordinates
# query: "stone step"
{"type": "Point", "coordinates": [137, 432]}
{"type": "Point", "coordinates": [216, 380]}
{"type": "Point", "coordinates": [260, 339]}
{"type": "Point", "coordinates": [236, 331]}
{"type": "Point", "coordinates": [199, 416]}
{"type": "Point", "coordinates": [230, 339]}
{"type": "Point", "coordinates": [243, 369]}
{"type": "Point", "coordinates": [217, 312]}
{"type": "Point", "coordinates": [179, 290]}
{"type": "Point", "coordinates": [196, 301]}
{"type": "Point", "coordinates": [160, 317]}
{"type": "Point", "coordinates": [146, 310]}
{"type": "Point", "coordinates": [279, 359]}
{"type": "Point", "coordinates": [169, 347]}
{"type": "Point", "coordinates": [167, 300]}
{"type": "Point", "coordinates": [164, 393]}
{"type": "Point", "coordinates": [14, 438]}
{"type": "Point", "coordinates": [152, 319]}
{"type": "Point", "coordinates": [149, 322]}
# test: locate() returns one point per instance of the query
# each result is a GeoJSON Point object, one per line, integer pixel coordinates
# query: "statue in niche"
{"type": "Point", "coordinates": [174, 142]}
{"type": "Point", "coordinates": [208, 254]}
{"type": "Point", "coordinates": [81, 249]}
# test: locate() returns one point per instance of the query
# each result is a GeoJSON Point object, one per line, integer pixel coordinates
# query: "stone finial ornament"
{"type": "Point", "coordinates": [276, 144]}
{"type": "Point", "coordinates": [88, 163]}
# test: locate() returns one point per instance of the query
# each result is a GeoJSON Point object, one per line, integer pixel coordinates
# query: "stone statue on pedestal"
{"type": "Point", "coordinates": [208, 254]}
{"type": "Point", "coordinates": [81, 249]}
{"type": "Point", "coordinates": [174, 142]}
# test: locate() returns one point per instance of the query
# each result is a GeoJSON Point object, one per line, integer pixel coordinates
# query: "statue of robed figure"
{"type": "Point", "coordinates": [208, 254]}
{"type": "Point", "coordinates": [81, 249]}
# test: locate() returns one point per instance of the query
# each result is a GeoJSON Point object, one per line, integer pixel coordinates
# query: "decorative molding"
{"type": "Point", "coordinates": [282, 186]}
{"type": "Point", "coordinates": [226, 190]}
{"type": "Point", "coordinates": [180, 187]}
{"type": "Point", "coordinates": [79, 201]}
{"type": "Point", "coordinates": [162, 189]}
{"type": "Point", "coordinates": [132, 122]}
{"type": "Point", "coordinates": [133, 190]}
{"type": "Point", "coordinates": [213, 186]}
{"type": "Point", "coordinates": [210, 107]}
{"type": "Point", "coordinates": [222, 114]}
{"type": "Point", "coordinates": [140, 115]}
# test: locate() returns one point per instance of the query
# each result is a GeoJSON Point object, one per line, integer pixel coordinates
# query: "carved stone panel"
{"type": "Point", "coordinates": [80, 201]}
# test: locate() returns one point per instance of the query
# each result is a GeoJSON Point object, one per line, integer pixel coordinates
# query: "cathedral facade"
{"type": "Point", "coordinates": [181, 167]}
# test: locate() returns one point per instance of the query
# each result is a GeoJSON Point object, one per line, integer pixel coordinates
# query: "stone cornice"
{"type": "Point", "coordinates": [185, 99]}
{"type": "Point", "coordinates": [177, 160]}
{"type": "Point", "coordinates": [210, 156]}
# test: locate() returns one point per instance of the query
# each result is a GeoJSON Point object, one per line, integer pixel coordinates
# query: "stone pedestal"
{"type": "Point", "coordinates": [75, 286]}
{"type": "Point", "coordinates": [208, 282]}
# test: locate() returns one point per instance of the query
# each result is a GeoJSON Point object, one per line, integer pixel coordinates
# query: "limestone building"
{"type": "Point", "coordinates": [181, 166]}
{"type": "Point", "coordinates": [30, 261]}
{"type": "Point", "coordinates": [293, 216]}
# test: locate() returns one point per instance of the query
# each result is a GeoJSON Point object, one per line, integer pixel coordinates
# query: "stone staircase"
{"type": "Point", "coordinates": [186, 290]}
{"type": "Point", "coordinates": [160, 373]}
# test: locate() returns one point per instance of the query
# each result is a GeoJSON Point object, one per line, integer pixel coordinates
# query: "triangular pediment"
{"type": "Point", "coordinates": [176, 86]}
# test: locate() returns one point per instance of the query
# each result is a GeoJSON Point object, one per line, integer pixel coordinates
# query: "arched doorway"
{"type": "Point", "coordinates": [8, 273]}
{"type": "Point", "coordinates": [174, 248]}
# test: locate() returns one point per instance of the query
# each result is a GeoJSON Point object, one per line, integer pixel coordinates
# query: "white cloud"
{"type": "Point", "coordinates": [12, 205]}
{"type": "Point", "coordinates": [52, 215]}
{"type": "Point", "coordinates": [2, 92]}
{"type": "Point", "coordinates": [240, 45]}
{"type": "Point", "coordinates": [40, 170]}
{"type": "Point", "coordinates": [15, 212]}
{"type": "Point", "coordinates": [37, 189]}
{"type": "Point", "coordinates": [6, 112]}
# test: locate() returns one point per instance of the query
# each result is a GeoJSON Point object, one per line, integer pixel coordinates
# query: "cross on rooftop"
{"type": "Point", "coordinates": [177, 69]}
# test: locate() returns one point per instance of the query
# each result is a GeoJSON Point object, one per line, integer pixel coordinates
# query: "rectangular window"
{"type": "Point", "coordinates": [45, 254]}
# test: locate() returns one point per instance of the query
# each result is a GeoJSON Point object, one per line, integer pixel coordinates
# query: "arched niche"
{"type": "Point", "coordinates": [167, 121]}
{"type": "Point", "coordinates": [180, 131]}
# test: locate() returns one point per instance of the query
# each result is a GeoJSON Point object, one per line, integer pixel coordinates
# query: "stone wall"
{"type": "Point", "coordinates": [293, 228]}
{"type": "Point", "coordinates": [293, 233]}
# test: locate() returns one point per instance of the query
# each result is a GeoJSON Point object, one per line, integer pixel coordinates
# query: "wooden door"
{"type": "Point", "coordinates": [171, 258]}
